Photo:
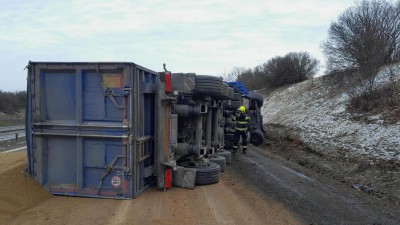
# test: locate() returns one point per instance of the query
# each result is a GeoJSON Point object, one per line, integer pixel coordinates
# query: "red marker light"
{"type": "Point", "coordinates": [168, 177]}
{"type": "Point", "coordinates": [168, 88]}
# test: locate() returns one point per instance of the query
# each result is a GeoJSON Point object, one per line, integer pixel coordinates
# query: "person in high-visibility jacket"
{"type": "Point", "coordinates": [242, 120]}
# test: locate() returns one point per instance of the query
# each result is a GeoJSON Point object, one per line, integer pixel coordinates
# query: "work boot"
{"type": "Point", "coordinates": [244, 148]}
{"type": "Point", "coordinates": [234, 149]}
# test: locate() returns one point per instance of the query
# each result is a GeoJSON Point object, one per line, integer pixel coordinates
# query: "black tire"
{"type": "Point", "coordinates": [207, 174]}
{"type": "Point", "coordinates": [209, 90]}
{"type": "Point", "coordinates": [226, 154]}
{"type": "Point", "coordinates": [208, 78]}
{"type": "Point", "coordinates": [256, 137]}
{"type": "Point", "coordinates": [220, 160]}
{"type": "Point", "coordinates": [256, 97]}
{"type": "Point", "coordinates": [203, 81]}
{"type": "Point", "coordinates": [209, 85]}
{"type": "Point", "coordinates": [225, 93]}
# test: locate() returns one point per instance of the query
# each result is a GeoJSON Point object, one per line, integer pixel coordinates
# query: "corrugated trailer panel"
{"type": "Point", "coordinates": [91, 128]}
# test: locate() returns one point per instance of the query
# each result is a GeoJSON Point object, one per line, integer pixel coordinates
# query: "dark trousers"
{"type": "Point", "coordinates": [239, 134]}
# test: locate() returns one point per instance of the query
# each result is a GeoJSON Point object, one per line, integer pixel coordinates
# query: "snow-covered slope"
{"type": "Point", "coordinates": [317, 112]}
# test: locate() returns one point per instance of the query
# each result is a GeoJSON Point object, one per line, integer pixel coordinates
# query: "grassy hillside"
{"type": "Point", "coordinates": [318, 112]}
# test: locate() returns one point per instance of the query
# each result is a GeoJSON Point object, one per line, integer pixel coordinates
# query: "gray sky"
{"type": "Point", "coordinates": [203, 36]}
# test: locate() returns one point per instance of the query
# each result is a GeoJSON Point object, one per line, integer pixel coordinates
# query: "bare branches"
{"type": "Point", "coordinates": [365, 37]}
{"type": "Point", "coordinates": [233, 74]}
{"type": "Point", "coordinates": [292, 68]}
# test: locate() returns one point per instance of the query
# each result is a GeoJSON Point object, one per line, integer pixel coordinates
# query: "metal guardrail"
{"type": "Point", "coordinates": [12, 132]}
{"type": "Point", "coordinates": [12, 128]}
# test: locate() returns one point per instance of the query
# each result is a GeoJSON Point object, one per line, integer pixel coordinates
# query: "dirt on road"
{"type": "Point", "coordinates": [230, 201]}
{"type": "Point", "coordinates": [17, 192]}
{"type": "Point", "coordinates": [375, 179]}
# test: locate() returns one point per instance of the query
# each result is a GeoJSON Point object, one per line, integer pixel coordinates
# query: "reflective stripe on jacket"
{"type": "Point", "coordinates": [241, 122]}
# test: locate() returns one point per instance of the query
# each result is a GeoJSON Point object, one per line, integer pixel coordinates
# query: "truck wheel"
{"type": "Point", "coordinates": [225, 92]}
{"type": "Point", "coordinates": [256, 137]}
{"type": "Point", "coordinates": [220, 160]}
{"type": "Point", "coordinates": [205, 174]}
{"type": "Point", "coordinates": [226, 154]}
{"type": "Point", "coordinates": [210, 85]}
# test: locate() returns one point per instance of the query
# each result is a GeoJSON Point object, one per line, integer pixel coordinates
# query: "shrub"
{"type": "Point", "coordinates": [384, 99]}
{"type": "Point", "coordinates": [12, 102]}
{"type": "Point", "coordinates": [292, 68]}
{"type": "Point", "coordinates": [365, 37]}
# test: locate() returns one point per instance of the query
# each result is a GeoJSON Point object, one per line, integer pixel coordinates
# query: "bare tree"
{"type": "Point", "coordinates": [234, 74]}
{"type": "Point", "coordinates": [292, 68]}
{"type": "Point", "coordinates": [364, 38]}
{"type": "Point", "coordinates": [249, 79]}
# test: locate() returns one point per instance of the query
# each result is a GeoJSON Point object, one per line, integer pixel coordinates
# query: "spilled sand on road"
{"type": "Point", "coordinates": [17, 192]}
{"type": "Point", "coordinates": [230, 201]}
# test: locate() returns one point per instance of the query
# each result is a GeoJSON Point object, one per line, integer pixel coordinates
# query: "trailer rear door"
{"type": "Point", "coordinates": [90, 128]}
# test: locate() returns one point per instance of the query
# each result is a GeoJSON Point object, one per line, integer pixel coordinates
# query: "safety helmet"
{"type": "Point", "coordinates": [242, 109]}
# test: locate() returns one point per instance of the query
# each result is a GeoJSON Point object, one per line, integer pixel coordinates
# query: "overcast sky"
{"type": "Point", "coordinates": [203, 36]}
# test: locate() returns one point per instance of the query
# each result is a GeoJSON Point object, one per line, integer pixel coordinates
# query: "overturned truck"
{"type": "Point", "coordinates": [111, 130]}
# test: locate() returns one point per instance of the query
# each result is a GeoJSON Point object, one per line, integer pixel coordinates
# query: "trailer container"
{"type": "Point", "coordinates": [91, 128]}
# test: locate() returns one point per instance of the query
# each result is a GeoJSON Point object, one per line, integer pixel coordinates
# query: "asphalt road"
{"type": "Point", "coordinates": [313, 198]}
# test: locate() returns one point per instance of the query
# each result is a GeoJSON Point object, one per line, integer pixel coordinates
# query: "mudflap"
{"type": "Point", "coordinates": [184, 177]}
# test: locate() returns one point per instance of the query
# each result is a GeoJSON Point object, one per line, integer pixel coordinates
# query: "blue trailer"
{"type": "Point", "coordinates": [91, 128]}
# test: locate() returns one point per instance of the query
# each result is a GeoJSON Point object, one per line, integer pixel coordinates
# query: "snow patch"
{"type": "Point", "coordinates": [318, 111]}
